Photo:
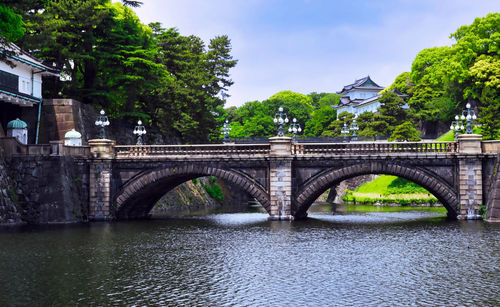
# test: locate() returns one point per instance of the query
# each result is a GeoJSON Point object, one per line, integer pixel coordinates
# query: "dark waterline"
{"type": "Point", "coordinates": [362, 259]}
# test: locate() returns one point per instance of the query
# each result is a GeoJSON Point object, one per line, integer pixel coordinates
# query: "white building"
{"type": "Point", "coordinates": [21, 87]}
{"type": "Point", "coordinates": [360, 96]}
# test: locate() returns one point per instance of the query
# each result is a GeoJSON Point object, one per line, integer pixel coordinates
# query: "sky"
{"type": "Point", "coordinates": [316, 45]}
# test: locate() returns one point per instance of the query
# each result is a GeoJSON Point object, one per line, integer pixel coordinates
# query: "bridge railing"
{"type": "Point", "coordinates": [374, 147]}
{"type": "Point", "coordinates": [12, 147]}
{"type": "Point", "coordinates": [491, 146]}
{"type": "Point", "coordinates": [125, 151]}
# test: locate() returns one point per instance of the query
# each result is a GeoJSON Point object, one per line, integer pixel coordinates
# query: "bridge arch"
{"type": "Point", "coordinates": [317, 185]}
{"type": "Point", "coordinates": [138, 196]}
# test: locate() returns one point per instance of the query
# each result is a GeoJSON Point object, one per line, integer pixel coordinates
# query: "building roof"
{"type": "Point", "coordinates": [365, 83]}
{"type": "Point", "coordinates": [17, 98]}
{"type": "Point", "coordinates": [15, 53]}
{"type": "Point", "coordinates": [17, 124]}
{"type": "Point", "coordinates": [11, 52]}
{"type": "Point", "coordinates": [73, 134]}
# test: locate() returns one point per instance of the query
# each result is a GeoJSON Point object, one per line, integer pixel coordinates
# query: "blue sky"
{"type": "Point", "coordinates": [316, 45]}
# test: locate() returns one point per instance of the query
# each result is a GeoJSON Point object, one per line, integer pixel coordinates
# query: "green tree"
{"type": "Point", "coordinates": [200, 78]}
{"type": "Point", "coordinates": [486, 88]}
{"type": "Point", "coordinates": [321, 118]}
{"type": "Point", "coordinates": [405, 132]}
{"type": "Point", "coordinates": [11, 28]}
{"type": "Point", "coordinates": [295, 105]}
{"type": "Point", "coordinates": [402, 84]}
{"type": "Point", "coordinates": [66, 33]}
{"type": "Point", "coordinates": [125, 64]}
{"type": "Point", "coordinates": [392, 108]}
{"type": "Point", "coordinates": [446, 78]}
{"type": "Point", "coordinates": [11, 25]}
{"type": "Point", "coordinates": [431, 74]}
{"type": "Point", "coordinates": [322, 99]}
{"type": "Point", "coordinates": [335, 128]}
{"type": "Point", "coordinates": [132, 3]}
{"type": "Point", "coordinates": [329, 100]}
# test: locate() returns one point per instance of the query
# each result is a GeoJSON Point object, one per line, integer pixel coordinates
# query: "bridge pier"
{"type": "Point", "coordinates": [100, 179]}
{"type": "Point", "coordinates": [280, 178]}
{"type": "Point", "coordinates": [470, 176]}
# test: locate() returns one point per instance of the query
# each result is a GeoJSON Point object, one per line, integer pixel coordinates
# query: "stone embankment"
{"type": "Point", "coordinates": [50, 189]}
{"type": "Point", "coordinates": [493, 192]}
{"type": "Point", "coordinates": [9, 213]}
{"type": "Point", "coordinates": [336, 193]}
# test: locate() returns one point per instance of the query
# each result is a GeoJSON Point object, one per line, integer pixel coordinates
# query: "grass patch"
{"type": "Point", "coordinates": [402, 199]}
{"type": "Point", "coordinates": [390, 189]}
{"type": "Point", "coordinates": [367, 208]}
{"type": "Point", "coordinates": [387, 184]}
{"type": "Point", "coordinates": [447, 137]}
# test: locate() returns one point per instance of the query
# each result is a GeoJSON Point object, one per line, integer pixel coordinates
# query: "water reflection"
{"type": "Point", "coordinates": [369, 258]}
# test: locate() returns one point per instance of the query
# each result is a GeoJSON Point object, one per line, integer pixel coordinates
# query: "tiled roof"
{"type": "Point", "coordinates": [365, 82]}
{"type": "Point", "coordinates": [14, 52]}
{"type": "Point", "coordinates": [15, 97]}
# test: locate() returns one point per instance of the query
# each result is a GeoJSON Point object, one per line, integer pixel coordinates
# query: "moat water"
{"type": "Point", "coordinates": [242, 259]}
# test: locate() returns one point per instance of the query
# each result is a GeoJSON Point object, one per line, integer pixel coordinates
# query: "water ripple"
{"type": "Point", "coordinates": [380, 259]}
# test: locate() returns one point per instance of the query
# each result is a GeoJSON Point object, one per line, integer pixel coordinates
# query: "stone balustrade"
{"type": "Point", "coordinates": [375, 147]}
{"type": "Point", "coordinates": [128, 151]}
{"type": "Point", "coordinates": [491, 146]}
{"type": "Point", "coordinates": [228, 150]}
{"type": "Point", "coordinates": [11, 146]}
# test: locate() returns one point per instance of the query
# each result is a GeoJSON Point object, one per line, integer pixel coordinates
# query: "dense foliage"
{"type": "Point", "coordinates": [443, 79]}
{"type": "Point", "coordinates": [405, 132]}
{"type": "Point", "coordinates": [313, 113]}
{"type": "Point", "coordinates": [11, 24]}
{"type": "Point", "coordinates": [113, 61]}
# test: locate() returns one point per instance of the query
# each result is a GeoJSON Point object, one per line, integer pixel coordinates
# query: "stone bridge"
{"type": "Point", "coordinates": [286, 177]}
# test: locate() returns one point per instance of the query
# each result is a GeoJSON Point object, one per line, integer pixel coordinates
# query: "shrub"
{"type": "Point", "coordinates": [214, 190]}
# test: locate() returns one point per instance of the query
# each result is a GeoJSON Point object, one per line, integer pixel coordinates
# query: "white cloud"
{"type": "Point", "coordinates": [274, 56]}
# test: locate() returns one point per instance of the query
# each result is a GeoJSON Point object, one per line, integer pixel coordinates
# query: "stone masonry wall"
{"type": "Point", "coordinates": [50, 189]}
{"type": "Point", "coordinates": [59, 117]}
{"type": "Point", "coordinates": [491, 187]}
{"type": "Point", "coordinates": [280, 189]}
{"type": "Point", "coordinates": [470, 186]}
{"type": "Point", "coordinates": [8, 205]}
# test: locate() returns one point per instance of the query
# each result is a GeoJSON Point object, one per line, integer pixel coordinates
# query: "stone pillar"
{"type": "Point", "coordinates": [470, 176]}
{"type": "Point", "coordinates": [102, 151]}
{"type": "Point", "coordinates": [102, 148]}
{"type": "Point", "coordinates": [56, 148]}
{"type": "Point", "coordinates": [58, 117]}
{"type": "Point", "coordinates": [280, 178]}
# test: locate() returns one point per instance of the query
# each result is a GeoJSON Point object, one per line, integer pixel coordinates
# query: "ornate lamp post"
{"type": "Point", "coordinates": [354, 127]}
{"type": "Point", "coordinates": [139, 130]}
{"type": "Point", "coordinates": [469, 116]}
{"type": "Point", "coordinates": [280, 118]}
{"type": "Point", "coordinates": [294, 127]}
{"type": "Point", "coordinates": [456, 126]}
{"type": "Point", "coordinates": [102, 120]}
{"type": "Point", "coordinates": [345, 131]}
{"type": "Point", "coordinates": [225, 131]}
